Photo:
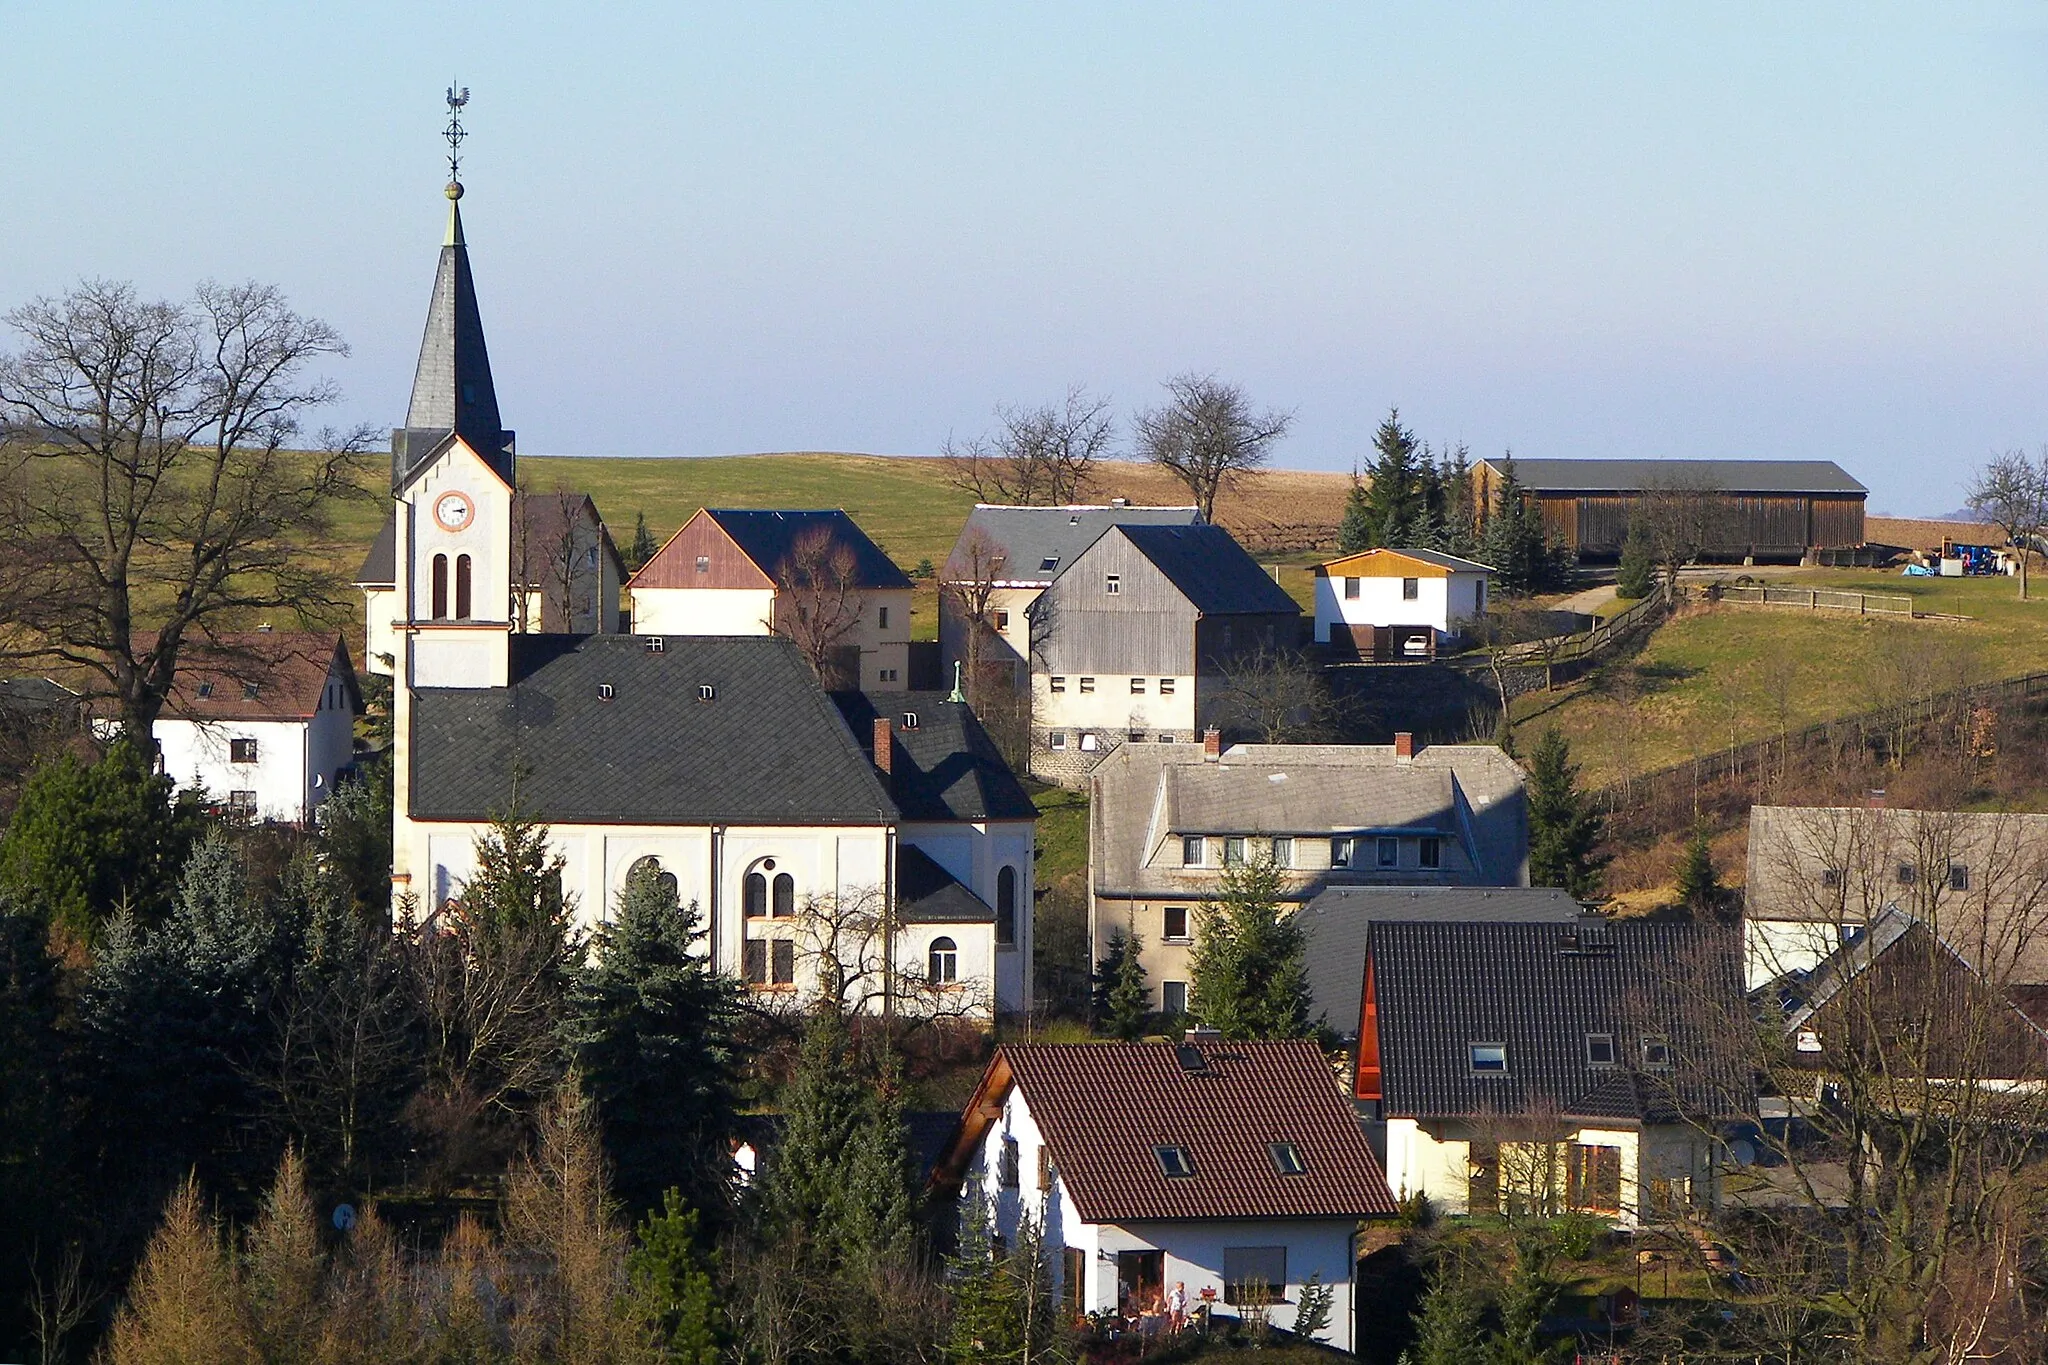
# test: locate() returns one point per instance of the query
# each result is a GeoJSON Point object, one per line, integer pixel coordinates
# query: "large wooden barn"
{"type": "Point", "coordinates": [1765, 509]}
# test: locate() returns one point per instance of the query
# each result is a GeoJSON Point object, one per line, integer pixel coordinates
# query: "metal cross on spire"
{"type": "Point", "coordinates": [457, 97]}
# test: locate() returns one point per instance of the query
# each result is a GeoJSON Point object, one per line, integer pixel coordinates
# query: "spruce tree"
{"type": "Point", "coordinates": [1527, 1299]}
{"type": "Point", "coordinates": [1699, 884]}
{"type": "Point", "coordinates": [34, 1137]}
{"type": "Point", "coordinates": [1123, 999]}
{"type": "Point", "coordinates": [1637, 576]}
{"type": "Point", "coordinates": [651, 1029]}
{"type": "Point", "coordinates": [643, 546]}
{"type": "Point", "coordinates": [1513, 543]}
{"type": "Point", "coordinates": [1250, 970]}
{"type": "Point", "coordinates": [1397, 494]}
{"type": "Point", "coordinates": [355, 837]}
{"type": "Point", "coordinates": [1564, 828]}
{"type": "Point", "coordinates": [1354, 530]}
{"type": "Point", "coordinates": [673, 1286]}
{"type": "Point", "coordinates": [1450, 1324]}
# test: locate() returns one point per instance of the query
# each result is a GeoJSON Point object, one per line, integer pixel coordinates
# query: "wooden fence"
{"type": "Point", "coordinates": [1565, 649]}
{"type": "Point", "coordinates": [1813, 599]}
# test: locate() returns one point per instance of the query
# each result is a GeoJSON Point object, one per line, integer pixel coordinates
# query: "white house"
{"type": "Point", "coordinates": [1234, 1170]}
{"type": "Point", "coordinates": [715, 758]}
{"type": "Point", "coordinates": [1378, 603]}
{"type": "Point", "coordinates": [262, 721]}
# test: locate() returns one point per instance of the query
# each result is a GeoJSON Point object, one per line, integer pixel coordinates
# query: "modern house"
{"type": "Point", "coordinates": [1005, 557]}
{"type": "Point", "coordinates": [262, 721]}
{"type": "Point", "coordinates": [1236, 1170]}
{"type": "Point", "coordinates": [1166, 820]}
{"type": "Point", "coordinates": [1134, 641]}
{"type": "Point", "coordinates": [1745, 509]}
{"type": "Point", "coordinates": [1547, 1066]}
{"type": "Point", "coordinates": [1397, 604]}
{"type": "Point", "coordinates": [813, 576]}
{"type": "Point", "coordinates": [716, 759]}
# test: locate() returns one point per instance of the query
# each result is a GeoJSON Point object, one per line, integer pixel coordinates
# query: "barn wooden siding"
{"type": "Point", "coordinates": [1773, 525]}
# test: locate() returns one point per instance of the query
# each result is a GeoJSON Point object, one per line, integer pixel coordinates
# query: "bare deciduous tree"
{"type": "Point", "coordinates": [2011, 492]}
{"type": "Point", "coordinates": [1683, 519]}
{"type": "Point", "coordinates": [1278, 697]}
{"type": "Point", "coordinates": [819, 604]}
{"type": "Point", "coordinates": [1036, 456]}
{"type": "Point", "coordinates": [841, 946]}
{"type": "Point", "coordinates": [1208, 436]}
{"type": "Point", "coordinates": [146, 488]}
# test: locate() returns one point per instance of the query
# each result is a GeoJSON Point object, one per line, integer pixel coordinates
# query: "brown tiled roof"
{"type": "Point", "coordinates": [1104, 1107]}
{"type": "Point", "coordinates": [256, 675]}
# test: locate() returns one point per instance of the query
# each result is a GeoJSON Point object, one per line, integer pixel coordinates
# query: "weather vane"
{"type": "Point", "coordinates": [457, 97]}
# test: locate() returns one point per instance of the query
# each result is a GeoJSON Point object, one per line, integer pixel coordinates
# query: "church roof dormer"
{"type": "Point", "coordinates": [452, 392]}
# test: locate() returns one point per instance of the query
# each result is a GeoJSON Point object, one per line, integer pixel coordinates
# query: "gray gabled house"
{"type": "Point", "coordinates": [1132, 643]}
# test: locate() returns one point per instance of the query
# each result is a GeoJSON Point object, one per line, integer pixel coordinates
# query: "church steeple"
{"type": "Point", "coordinates": [451, 389]}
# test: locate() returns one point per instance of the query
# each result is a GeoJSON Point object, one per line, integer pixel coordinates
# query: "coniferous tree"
{"type": "Point", "coordinates": [1123, 999]}
{"type": "Point", "coordinates": [1637, 575]}
{"type": "Point", "coordinates": [652, 1032]}
{"type": "Point", "coordinates": [673, 1285]}
{"type": "Point", "coordinates": [875, 1205]}
{"type": "Point", "coordinates": [1397, 496]}
{"type": "Point", "coordinates": [1699, 884]}
{"type": "Point", "coordinates": [1461, 520]}
{"type": "Point", "coordinates": [1355, 529]}
{"type": "Point", "coordinates": [355, 836]}
{"type": "Point", "coordinates": [1450, 1324]}
{"type": "Point", "coordinates": [643, 546]}
{"type": "Point", "coordinates": [183, 1304]}
{"type": "Point", "coordinates": [1513, 542]}
{"type": "Point", "coordinates": [34, 1133]}
{"type": "Point", "coordinates": [1250, 973]}
{"type": "Point", "coordinates": [1564, 828]}
{"type": "Point", "coordinates": [985, 1298]}
{"type": "Point", "coordinates": [1528, 1297]}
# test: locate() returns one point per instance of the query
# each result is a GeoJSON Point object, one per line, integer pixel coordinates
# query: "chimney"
{"type": "Point", "coordinates": [1212, 744]}
{"type": "Point", "coordinates": [1404, 746]}
{"type": "Point", "coordinates": [885, 743]}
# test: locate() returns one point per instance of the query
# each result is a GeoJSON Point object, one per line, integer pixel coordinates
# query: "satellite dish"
{"type": "Point", "coordinates": [1742, 1152]}
{"type": "Point", "coordinates": [344, 1217]}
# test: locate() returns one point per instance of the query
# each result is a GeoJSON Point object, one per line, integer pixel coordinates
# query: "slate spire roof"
{"type": "Point", "coordinates": [452, 392]}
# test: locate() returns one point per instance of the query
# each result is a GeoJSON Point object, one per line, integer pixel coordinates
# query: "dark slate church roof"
{"type": "Point", "coordinates": [767, 748]}
{"type": "Point", "coordinates": [931, 895]}
{"type": "Point", "coordinates": [947, 768]}
{"type": "Point", "coordinates": [1541, 989]}
{"type": "Point", "coordinates": [452, 392]}
{"type": "Point", "coordinates": [1211, 570]}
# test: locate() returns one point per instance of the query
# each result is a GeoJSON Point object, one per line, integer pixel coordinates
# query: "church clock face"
{"type": "Point", "coordinates": [454, 511]}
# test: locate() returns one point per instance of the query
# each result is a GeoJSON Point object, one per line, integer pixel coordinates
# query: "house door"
{"type": "Point", "coordinates": [1140, 1281]}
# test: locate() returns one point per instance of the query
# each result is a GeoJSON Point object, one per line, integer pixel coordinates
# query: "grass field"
{"type": "Point", "coordinates": [1723, 675]}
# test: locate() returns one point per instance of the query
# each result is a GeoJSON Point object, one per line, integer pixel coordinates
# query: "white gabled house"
{"type": "Point", "coordinates": [1235, 1170]}
{"type": "Point", "coordinates": [1397, 604]}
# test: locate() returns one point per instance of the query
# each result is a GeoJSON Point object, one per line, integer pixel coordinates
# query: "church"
{"type": "Point", "coordinates": [872, 843]}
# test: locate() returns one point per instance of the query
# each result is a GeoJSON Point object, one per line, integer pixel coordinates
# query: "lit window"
{"type": "Point", "coordinates": [1599, 1049]}
{"type": "Point", "coordinates": [1489, 1059]}
{"type": "Point", "coordinates": [241, 751]}
{"type": "Point", "coordinates": [1430, 852]}
{"type": "Point", "coordinates": [1286, 1158]}
{"type": "Point", "coordinates": [1174, 926]}
{"type": "Point", "coordinates": [1657, 1054]}
{"type": "Point", "coordinates": [1175, 1163]}
{"type": "Point", "coordinates": [1137, 687]}
{"type": "Point", "coordinates": [1112, 584]}
{"type": "Point", "coordinates": [1173, 997]}
{"type": "Point", "coordinates": [1283, 852]}
{"type": "Point", "coordinates": [944, 961]}
{"type": "Point", "coordinates": [1389, 852]}
{"type": "Point", "coordinates": [1411, 588]}
{"type": "Point", "coordinates": [1193, 849]}
{"type": "Point", "coordinates": [1089, 742]}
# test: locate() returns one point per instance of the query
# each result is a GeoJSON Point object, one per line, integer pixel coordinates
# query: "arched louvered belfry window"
{"type": "Point", "coordinates": [944, 961]}
{"type": "Point", "coordinates": [1006, 906]}
{"type": "Point", "coordinates": [756, 895]}
{"type": "Point", "coordinates": [462, 601]}
{"type": "Point", "coordinates": [440, 587]}
{"type": "Point", "coordinates": [785, 895]}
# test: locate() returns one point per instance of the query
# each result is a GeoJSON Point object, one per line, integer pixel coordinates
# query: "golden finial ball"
{"type": "Point", "coordinates": [454, 190]}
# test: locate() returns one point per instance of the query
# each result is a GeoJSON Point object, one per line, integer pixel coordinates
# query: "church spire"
{"type": "Point", "coordinates": [452, 390]}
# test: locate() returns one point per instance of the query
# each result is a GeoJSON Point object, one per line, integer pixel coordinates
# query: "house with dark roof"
{"type": "Point", "coordinates": [1132, 642]}
{"type": "Point", "coordinates": [716, 760]}
{"type": "Point", "coordinates": [812, 575]}
{"type": "Point", "coordinates": [1005, 557]}
{"type": "Point", "coordinates": [1743, 509]}
{"type": "Point", "coordinates": [1397, 604]}
{"type": "Point", "coordinates": [566, 575]}
{"type": "Point", "coordinates": [1550, 1066]}
{"type": "Point", "coordinates": [262, 721]}
{"type": "Point", "coordinates": [1235, 1171]}
{"type": "Point", "coordinates": [1165, 820]}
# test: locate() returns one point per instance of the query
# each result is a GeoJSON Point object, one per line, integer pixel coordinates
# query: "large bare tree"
{"type": "Point", "coordinates": [148, 488]}
{"type": "Point", "coordinates": [1208, 435]}
{"type": "Point", "coordinates": [819, 604]}
{"type": "Point", "coordinates": [2011, 492]}
{"type": "Point", "coordinates": [1683, 518]}
{"type": "Point", "coordinates": [1042, 455]}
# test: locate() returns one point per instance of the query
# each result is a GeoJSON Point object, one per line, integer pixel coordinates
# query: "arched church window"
{"type": "Point", "coordinates": [462, 602]}
{"type": "Point", "coordinates": [664, 878]}
{"type": "Point", "coordinates": [440, 587]}
{"type": "Point", "coordinates": [756, 895]}
{"type": "Point", "coordinates": [944, 961]}
{"type": "Point", "coordinates": [1006, 906]}
{"type": "Point", "coordinates": [785, 895]}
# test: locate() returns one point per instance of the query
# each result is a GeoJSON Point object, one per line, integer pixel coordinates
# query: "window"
{"type": "Point", "coordinates": [205, 690]}
{"type": "Point", "coordinates": [590, 558]}
{"type": "Point", "coordinates": [1479, 596]}
{"type": "Point", "coordinates": [1411, 588]}
{"type": "Point", "coordinates": [1056, 739]}
{"type": "Point", "coordinates": [1173, 997]}
{"type": "Point", "coordinates": [755, 896]}
{"type": "Point", "coordinates": [1958, 877]}
{"type": "Point", "coordinates": [462, 595]}
{"type": "Point", "coordinates": [1340, 853]}
{"type": "Point", "coordinates": [1135, 736]}
{"type": "Point", "coordinates": [944, 961]}
{"type": "Point", "coordinates": [910, 720]}
{"type": "Point", "coordinates": [1830, 876]}
{"type": "Point", "coordinates": [440, 587]}
{"type": "Point", "coordinates": [1194, 849]}
{"type": "Point", "coordinates": [1173, 925]}
{"type": "Point", "coordinates": [707, 692]}
{"type": "Point", "coordinates": [1657, 1054]}
{"type": "Point", "coordinates": [605, 692]}
{"type": "Point", "coordinates": [1599, 1049]}
{"type": "Point", "coordinates": [1489, 1059]}
{"type": "Point", "coordinates": [1112, 584]}
{"type": "Point", "coordinates": [1007, 1165]}
{"type": "Point", "coordinates": [656, 644]}
{"type": "Point", "coordinates": [1048, 564]}
{"type": "Point", "coordinates": [665, 879]}
{"type": "Point", "coordinates": [1137, 687]}
{"type": "Point", "coordinates": [1002, 620]}
{"type": "Point", "coordinates": [1906, 874]}
{"type": "Point", "coordinates": [1389, 852]}
{"type": "Point", "coordinates": [703, 563]}
{"type": "Point", "coordinates": [1430, 852]}
{"type": "Point", "coordinates": [1006, 907]}
{"type": "Point", "coordinates": [1351, 587]}
{"type": "Point", "coordinates": [249, 691]}
{"type": "Point", "coordinates": [1233, 851]}
{"type": "Point", "coordinates": [881, 618]}
{"type": "Point", "coordinates": [1175, 1163]}
{"type": "Point", "coordinates": [785, 896]}
{"type": "Point", "coordinates": [770, 962]}
{"type": "Point", "coordinates": [241, 751]}
{"type": "Point", "coordinates": [1044, 1167]}
{"type": "Point", "coordinates": [242, 804]}
{"type": "Point", "coordinates": [1087, 686]}
{"type": "Point", "coordinates": [1058, 683]}
{"type": "Point", "coordinates": [1594, 1178]}
{"type": "Point", "coordinates": [1166, 687]}
{"type": "Point", "coordinates": [888, 675]}
{"type": "Point", "coordinates": [1089, 743]}
{"type": "Point", "coordinates": [1286, 1158]}
{"type": "Point", "coordinates": [1254, 1275]}
{"type": "Point", "coordinates": [1482, 1178]}
{"type": "Point", "coordinates": [1283, 852]}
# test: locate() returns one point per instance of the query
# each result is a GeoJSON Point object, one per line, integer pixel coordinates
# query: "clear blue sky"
{"type": "Point", "coordinates": [1709, 230]}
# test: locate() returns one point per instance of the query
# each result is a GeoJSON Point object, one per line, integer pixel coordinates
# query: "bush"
{"type": "Point", "coordinates": [1578, 1235]}
{"type": "Point", "coordinates": [1415, 1210]}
